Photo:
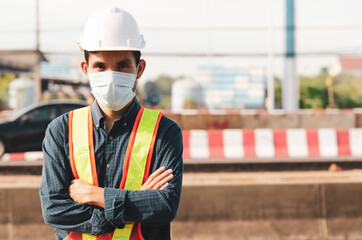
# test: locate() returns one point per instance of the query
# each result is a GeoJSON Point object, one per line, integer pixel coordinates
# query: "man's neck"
{"type": "Point", "coordinates": [111, 116]}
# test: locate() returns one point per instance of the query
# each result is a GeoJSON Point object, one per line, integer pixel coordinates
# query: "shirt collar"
{"type": "Point", "coordinates": [128, 117]}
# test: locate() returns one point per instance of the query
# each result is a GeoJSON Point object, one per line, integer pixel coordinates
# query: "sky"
{"type": "Point", "coordinates": [196, 27]}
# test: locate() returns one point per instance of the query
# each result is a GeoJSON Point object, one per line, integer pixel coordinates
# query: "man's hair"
{"type": "Point", "coordinates": [136, 54]}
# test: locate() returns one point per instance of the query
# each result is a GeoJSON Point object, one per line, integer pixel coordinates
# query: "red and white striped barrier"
{"type": "Point", "coordinates": [269, 143]}
{"type": "Point", "coordinates": [23, 156]}
{"type": "Point", "coordinates": [257, 144]}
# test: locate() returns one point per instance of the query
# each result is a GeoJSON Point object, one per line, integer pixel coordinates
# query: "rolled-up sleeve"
{"type": "Point", "coordinates": [59, 209]}
{"type": "Point", "coordinates": [151, 207]}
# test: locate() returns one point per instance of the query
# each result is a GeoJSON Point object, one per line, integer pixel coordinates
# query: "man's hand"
{"type": "Point", "coordinates": [158, 180]}
{"type": "Point", "coordinates": [84, 193]}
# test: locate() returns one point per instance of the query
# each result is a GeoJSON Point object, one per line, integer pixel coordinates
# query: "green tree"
{"type": "Point", "coordinates": [5, 79]}
{"type": "Point", "coordinates": [277, 93]}
{"type": "Point", "coordinates": [313, 91]}
{"type": "Point", "coordinates": [348, 90]}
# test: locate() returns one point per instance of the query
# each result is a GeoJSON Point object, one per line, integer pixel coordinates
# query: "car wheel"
{"type": "Point", "coordinates": [2, 148]}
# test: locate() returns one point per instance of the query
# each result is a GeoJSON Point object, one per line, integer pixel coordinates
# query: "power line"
{"type": "Point", "coordinates": [197, 28]}
{"type": "Point", "coordinates": [204, 54]}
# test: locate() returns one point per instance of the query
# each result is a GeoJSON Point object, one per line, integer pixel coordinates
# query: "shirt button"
{"type": "Point", "coordinates": [108, 165]}
{"type": "Point", "coordinates": [125, 124]}
{"type": "Point", "coordinates": [110, 138]}
{"type": "Point", "coordinates": [97, 126]}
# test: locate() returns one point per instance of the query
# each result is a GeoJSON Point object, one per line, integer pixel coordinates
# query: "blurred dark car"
{"type": "Point", "coordinates": [24, 131]}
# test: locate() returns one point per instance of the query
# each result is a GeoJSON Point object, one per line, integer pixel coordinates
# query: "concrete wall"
{"type": "Point", "coordinates": [274, 121]}
{"type": "Point", "coordinates": [20, 215]}
{"type": "Point", "coordinates": [235, 211]}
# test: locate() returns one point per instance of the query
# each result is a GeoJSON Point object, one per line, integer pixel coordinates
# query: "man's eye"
{"type": "Point", "coordinates": [100, 66]}
{"type": "Point", "coordinates": [123, 66]}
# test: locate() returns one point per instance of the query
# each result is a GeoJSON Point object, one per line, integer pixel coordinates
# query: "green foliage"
{"type": "Point", "coordinates": [347, 91]}
{"type": "Point", "coordinates": [5, 79]}
{"type": "Point", "coordinates": [277, 93]}
{"type": "Point", "coordinates": [313, 92]}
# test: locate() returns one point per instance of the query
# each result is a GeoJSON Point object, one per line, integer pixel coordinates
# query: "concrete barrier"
{"type": "Point", "coordinates": [277, 120]}
{"type": "Point", "coordinates": [210, 121]}
{"type": "Point", "coordinates": [359, 120]}
{"type": "Point", "coordinates": [327, 120]}
{"type": "Point", "coordinates": [274, 121]}
{"type": "Point", "coordinates": [244, 207]}
{"type": "Point", "coordinates": [20, 215]}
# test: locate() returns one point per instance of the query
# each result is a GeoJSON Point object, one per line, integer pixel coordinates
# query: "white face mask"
{"type": "Point", "coordinates": [112, 89]}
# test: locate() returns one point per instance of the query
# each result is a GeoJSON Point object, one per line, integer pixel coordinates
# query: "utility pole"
{"type": "Point", "coordinates": [270, 74]}
{"type": "Point", "coordinates": [290, 82]}
{"type": "Point", "coordinates": [37, 55]}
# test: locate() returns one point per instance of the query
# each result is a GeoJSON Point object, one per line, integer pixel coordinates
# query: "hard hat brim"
{"type": "Point", "coordinates": [109, 49]}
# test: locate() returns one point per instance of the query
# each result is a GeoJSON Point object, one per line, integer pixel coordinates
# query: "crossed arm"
{"type": "Point", "coordinates": [84, 193]}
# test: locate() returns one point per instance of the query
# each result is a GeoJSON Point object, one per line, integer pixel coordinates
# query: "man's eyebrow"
{"type": "Point", "coordinates": [98, 63]}
{"type": "Point", "coordinates": [125, 61]}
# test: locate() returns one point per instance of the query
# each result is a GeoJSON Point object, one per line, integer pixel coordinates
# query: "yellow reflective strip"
{"type": "Point", "coordinates": [80, 144]}
{"type": "Point", "coordinates": [140, 150]}
{"type": "Point", "coordinates": [124, 233]}
{"type": "Point", "coordinates": [87, 236]}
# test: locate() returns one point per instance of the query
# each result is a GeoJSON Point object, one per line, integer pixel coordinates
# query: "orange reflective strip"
{"type": "Point", "coordinates": [70, 142]}
{"type": "Point", "coordinates": [91, 148]}
{"type": "Point", "coordinates": [74, 236]}
{"type": "Point", "coordinates": [130, 148]}
{"type": "Point", "coordinates": [136, 232]}
{"type": "Point", "coordinates": [105, 237]}
{"type": "Point", "coordinates": [139, 231]}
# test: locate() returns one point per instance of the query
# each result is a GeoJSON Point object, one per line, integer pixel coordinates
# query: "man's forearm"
{"type": "Point", "coordinates": [152, 207]}
{"type": "Point", "coordinates": [74, 217]}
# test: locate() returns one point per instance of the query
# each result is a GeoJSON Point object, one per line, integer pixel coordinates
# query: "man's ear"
{"type": "Point", "coordinates": [141, 68]}
{"type": "Point", "coordinates": [84, 67]}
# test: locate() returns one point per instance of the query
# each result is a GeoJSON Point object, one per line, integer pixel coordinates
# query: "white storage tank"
{"type": "Point", "coordinates": [21, 93]}
{"type": "Point", "coordinates": [185, 94]}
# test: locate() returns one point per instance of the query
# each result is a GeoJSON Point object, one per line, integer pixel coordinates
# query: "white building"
{"type": "Point", "coordinates": [232, 87]}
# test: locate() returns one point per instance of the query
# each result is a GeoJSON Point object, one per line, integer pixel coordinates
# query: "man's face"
{"type": "Point", "coordinates": [119, 61]}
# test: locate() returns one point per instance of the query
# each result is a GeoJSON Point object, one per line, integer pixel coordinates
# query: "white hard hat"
{"type": "Point", "coordinates": [111, 29]}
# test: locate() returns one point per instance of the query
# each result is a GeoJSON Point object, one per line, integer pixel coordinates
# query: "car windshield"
{"type": "Point", "coordinates": [18, 113]}
{"type": "Point", "coordinates": [69, 105]}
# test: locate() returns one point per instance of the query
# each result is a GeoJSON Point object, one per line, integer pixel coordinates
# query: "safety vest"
{"type": "Point", "coordinates": [136, 164]}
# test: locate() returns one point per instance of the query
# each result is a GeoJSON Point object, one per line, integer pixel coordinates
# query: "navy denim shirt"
{"type": "Point", "coordinates": [155, 209]}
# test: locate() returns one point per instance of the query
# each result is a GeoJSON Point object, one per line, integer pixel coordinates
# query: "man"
{"type": "Point", "coordinates": [97, 159]}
